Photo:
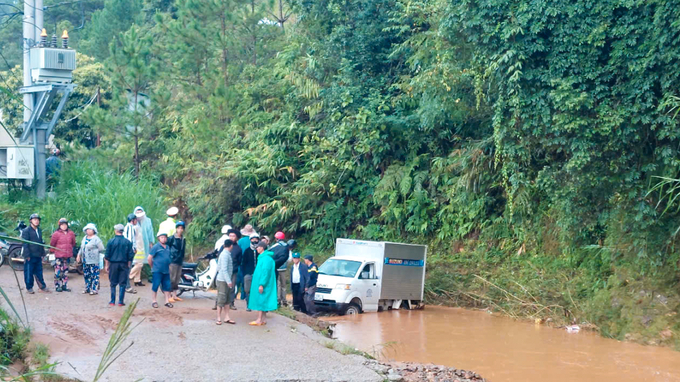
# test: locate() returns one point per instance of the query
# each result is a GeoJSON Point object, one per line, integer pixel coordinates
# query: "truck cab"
{"type": "Point", "coordinates": [362, 278]}
{"type": "Point", "coordinates": [347, 286]}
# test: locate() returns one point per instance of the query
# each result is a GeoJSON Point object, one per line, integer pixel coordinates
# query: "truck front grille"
{"type": "Point", "coordinates": [324, 290]}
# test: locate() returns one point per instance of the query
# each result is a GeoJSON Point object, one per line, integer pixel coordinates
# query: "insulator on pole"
{"type": "Point", "coordinates": [43, 38]}
{"type": "Point", "coordinates": [64, 39]}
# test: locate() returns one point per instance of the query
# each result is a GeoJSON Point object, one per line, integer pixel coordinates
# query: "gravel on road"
{"type": "Point", "coordinates": [178, 344]}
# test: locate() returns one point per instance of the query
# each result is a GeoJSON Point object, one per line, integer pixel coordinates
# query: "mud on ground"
{"type": "Point", "coordinates": [179, 344]}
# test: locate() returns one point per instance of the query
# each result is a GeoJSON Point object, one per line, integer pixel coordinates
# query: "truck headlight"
{"type": "Point", "coordinates": [343, 286]}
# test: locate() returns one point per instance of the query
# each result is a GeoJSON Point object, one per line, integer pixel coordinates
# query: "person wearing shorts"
{"type": "Point", "coordinates": [225, 283]}
{"type": "Point", "coordinates": [159, 260]}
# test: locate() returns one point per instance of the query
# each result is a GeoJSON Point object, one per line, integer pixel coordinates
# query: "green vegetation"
{"type": "Point", "coordinates": [89, 192]}
{"type": "Point", "coordinates": [345, 349]}
{"type": "Point", "coordinates": [520, 140]}
{"type": "Point", "coordinates": [285, 312]}
{"type": "Point", "coordinates": [14, 339]}
{"type": "Point", "coordinates": [41, 354]}
{"type": "Point", "coordinates": [40, 358]}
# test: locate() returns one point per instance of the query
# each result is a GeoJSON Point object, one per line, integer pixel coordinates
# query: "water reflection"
{"type": "Point", "coordinates": [502, 349]}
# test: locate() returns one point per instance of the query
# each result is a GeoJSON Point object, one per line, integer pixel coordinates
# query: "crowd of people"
{"type": "Point", "coordinates": [253, 265]}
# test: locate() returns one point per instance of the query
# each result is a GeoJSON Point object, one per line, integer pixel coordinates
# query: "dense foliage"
{"type": "Point", "coordinates": [519, 138]}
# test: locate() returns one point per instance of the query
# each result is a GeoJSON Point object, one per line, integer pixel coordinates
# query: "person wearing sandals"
{"type": "Point", "coordinates": [263, 292]}
{"type": "Point", "coordinates": [90, 247]}
{"type": "Point", "coordinates": [63, 240]}
{"type": "Point", "coordinates": [159, 260]}
{"type": "Point", "coordinates": [225, 283]}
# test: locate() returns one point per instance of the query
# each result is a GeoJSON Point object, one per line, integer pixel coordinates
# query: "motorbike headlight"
{"type": "Point", "coordinates": [343, 286]}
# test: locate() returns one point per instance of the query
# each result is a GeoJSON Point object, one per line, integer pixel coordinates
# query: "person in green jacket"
{"type": "Point", "coordinates": [263, 288]}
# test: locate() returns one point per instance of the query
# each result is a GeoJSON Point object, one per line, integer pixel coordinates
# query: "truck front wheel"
{"type": "Point", "coordinates": [352, 308]}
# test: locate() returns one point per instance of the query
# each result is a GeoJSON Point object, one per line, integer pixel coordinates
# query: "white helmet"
{"type": "Point", "coordinates": [225, 229]}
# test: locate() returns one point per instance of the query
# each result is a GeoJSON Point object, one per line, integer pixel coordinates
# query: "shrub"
{"type": "Point", "coordinates": [14, 340]}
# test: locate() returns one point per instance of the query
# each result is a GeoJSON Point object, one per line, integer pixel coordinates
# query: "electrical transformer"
{"type": "Point", "coordinates": [52, 65]}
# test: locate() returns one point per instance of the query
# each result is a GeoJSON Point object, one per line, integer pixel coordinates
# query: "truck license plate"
{"type": "Point", "coordinates": [318, 297]}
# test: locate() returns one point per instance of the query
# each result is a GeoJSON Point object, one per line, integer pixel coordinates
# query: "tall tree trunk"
{"type": "Point", "coordinates": [252, 10]}
{"type": "Point", "coordinates": [99, 104]}
{"type": "Point", "coordinates": [281, 20]}
{"type": "Point", "coordinates": [136, 154]}
{"type": "Point", "coordinates": [136, 138]}
{"type": "Point", "coordinates": [224, 50]}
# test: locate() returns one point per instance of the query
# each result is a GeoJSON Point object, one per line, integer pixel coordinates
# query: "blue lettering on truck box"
{"type": "Point", "coordinates": [406, 262]}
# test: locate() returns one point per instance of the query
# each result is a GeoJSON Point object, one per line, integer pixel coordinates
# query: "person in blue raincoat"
{"type": "Point", "coordinates": [146, 225]}
{"type": "Point", "coordinates": [263, 288]}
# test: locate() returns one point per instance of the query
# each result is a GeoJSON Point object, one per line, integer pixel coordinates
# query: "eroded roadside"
{"type": "Point", "coordinates": [389, 370]}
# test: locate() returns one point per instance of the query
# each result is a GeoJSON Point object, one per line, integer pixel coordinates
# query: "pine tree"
{"type": "Point", "coordinates": [133, 70]}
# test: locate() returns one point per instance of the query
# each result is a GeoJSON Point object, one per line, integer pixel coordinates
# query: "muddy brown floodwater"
{"type": "Point", "coordinates": [502, 349]}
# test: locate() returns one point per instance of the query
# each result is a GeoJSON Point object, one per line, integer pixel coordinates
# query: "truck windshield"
{"type": "Point", "coordinates": [338, 267]}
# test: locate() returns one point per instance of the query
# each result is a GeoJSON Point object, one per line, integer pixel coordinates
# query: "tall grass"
{"type": "Point", "coordinates": [115, 348]}
{"type": "Point", "coordinates": [88, 192]}
{"type": "Point", "coordinates": [14, 339]}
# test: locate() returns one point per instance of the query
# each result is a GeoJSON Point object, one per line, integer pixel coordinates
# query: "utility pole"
{"type": "Point", "coordinates": [29, 38]}
{"type": "Point", "coordinates": [47, 72]}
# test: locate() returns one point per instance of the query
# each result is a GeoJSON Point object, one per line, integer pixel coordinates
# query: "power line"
{"type": "Point", "coordinates": [62, 3]}
{"type": "Point", "coordinates": [84, 108]}
{"type": "Point", "coordinates": [6, 22]}
{"type": "Point", "coordinates": [32, 6]}
{"type": "Point", "coordinates": [9, 66]}
{"type": "Point", "coordinates": [5, 81]}
{"type": "Point", "coordinates": [11, 5]}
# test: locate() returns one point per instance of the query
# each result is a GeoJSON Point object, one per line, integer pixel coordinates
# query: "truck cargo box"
{"type": "Point", "coordinates": [400, 267]}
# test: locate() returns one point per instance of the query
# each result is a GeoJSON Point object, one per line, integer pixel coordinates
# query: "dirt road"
{"type": "Point", "coordinates": [179, 344]}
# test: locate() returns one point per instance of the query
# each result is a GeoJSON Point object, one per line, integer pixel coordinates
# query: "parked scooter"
{"type": "Point", "coordinates": [192, 279]}
{"type": "Point", "coordinates": [11, 251]}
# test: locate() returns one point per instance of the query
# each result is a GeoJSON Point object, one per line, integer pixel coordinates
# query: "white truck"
{"type": "Point", "coordinates": [370, 276]}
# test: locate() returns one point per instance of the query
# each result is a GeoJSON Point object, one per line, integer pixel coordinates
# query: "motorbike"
{"type": "Point", "coordinates": [3, 251]}
{"type": "Point", "coordinates": [11, 251]}
{"type": "Point", "coordinates": [193, 279]}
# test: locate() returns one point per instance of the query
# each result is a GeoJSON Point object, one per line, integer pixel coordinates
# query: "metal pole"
{"type": "Point", "coordinates": [40, 164]}
{"type": "Point", "coordinates": [41, 133]}
{"type": "Point", "coordinates": [38, 19]}
{"type": "Point", "coordinates": [29, 37]}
